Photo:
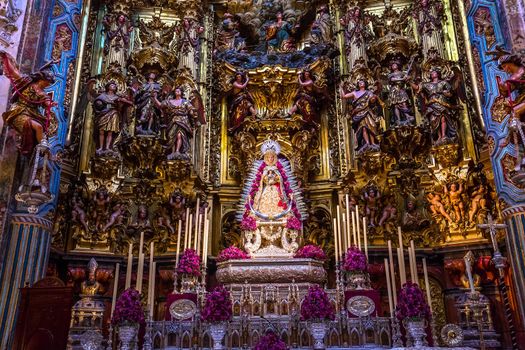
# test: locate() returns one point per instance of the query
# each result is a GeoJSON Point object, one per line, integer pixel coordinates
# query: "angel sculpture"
{"type": "Point", "coordinates": [181, 116]}
{"type": "Point", "coordinates": [364, 116]}
{"type": "Point", "coordinates": [29, 96]}
{"type": "Point", "coordinates": [306, 99]}
{"type": "Point", "coordinates": [108, 108]}
{"type": "Point", "coordinates": [440, 108]}
{"type": "Point", "coordinates": [242, 102]}
{"type": "Point", "coordinates": [147, 114]}
{"type": "Point", "coordinates": [401, 112]}
{"type": "Point", "coordinates": [117, 28]}
{"type": "Point", "coordinates": [188, 44]}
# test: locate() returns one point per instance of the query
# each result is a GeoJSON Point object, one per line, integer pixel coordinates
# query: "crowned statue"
{"type": "Point", "coordinates": [272, 206]}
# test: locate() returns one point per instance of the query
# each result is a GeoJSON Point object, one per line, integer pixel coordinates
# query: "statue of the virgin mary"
{"type": "Point", "coordinates": [272, 209]}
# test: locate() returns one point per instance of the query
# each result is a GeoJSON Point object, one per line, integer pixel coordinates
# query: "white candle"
{"type": "Point", "coordinates": [358, 224]}
{"type": "Point", "coordinates": [389, 288]}
{"type": "Point", "coordinates": [339, 237]}
{"type": "Point", "coordinates": [365, 239]}
{"type": "Point", "coordinates": [414, 262]}
{"type": "Point", "coordinates": [206, 242]}
{"type": "Point", "coordinates": [152, 290]}
{"type": "Point", "coordinates": [115, 288]}
{"type": "Point", "coordinates": [348, 239]}
{"type": "Point", "coordinates": [345, 240]}
{"type": "Point", "coordinates": [354, 232]}
{"type": "Point", "coordinates": [427, 284]}
{"type": "Point", "coordinates": [336, 246]}
{"type": "Point", "coordinates": [151, 276]}
{"type": "Point", "coordinates": [178, 244]}
{"type": "Point", "coordinates": [402, 274]}
{"type": "Point", "coordinates": [392, 273]}
{"type": "Point", "coordinates": [186, 228]}
{"type": "Point", "coordinates": [401, 257]}
{"type": "Point", "coordinates": [411, 265]}
{"type": "Point", "coordinates": [129, 267]}
{"type": "Point", "coordinates": [197, 221]}
{"type": "Point", "coordinates": [198, 236]}
{"type": "Point", "coordinates": [189, 231]}
{"type": "Point", "coordinates": [140, 271]}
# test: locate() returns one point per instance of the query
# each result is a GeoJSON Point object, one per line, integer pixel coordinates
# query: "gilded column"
{"type": "Point", "coordinates": [27, 245]}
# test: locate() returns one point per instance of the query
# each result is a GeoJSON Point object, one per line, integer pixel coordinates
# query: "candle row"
{"type": "Point", "coordinates": [347, 230]}
{"type": "Point", "coordinates": [201, 222]}
{"type": "Point", "coordinates": [391, 273]}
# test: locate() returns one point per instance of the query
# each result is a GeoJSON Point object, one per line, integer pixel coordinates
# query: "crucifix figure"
{"type": "Point", "coordinates": [492, 227]}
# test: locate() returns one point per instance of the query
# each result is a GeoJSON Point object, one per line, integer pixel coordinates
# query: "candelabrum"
{"type": "Point", "coordinates": [435, 339]}
{"type": "Point", "coordinates": [148, 342]}
{"type": "Point", "coordinates": [110, 337]}
{"type": "Point", "coordinates": [396, 333]}
{"type": "Point", "coordinates": [477, 307]}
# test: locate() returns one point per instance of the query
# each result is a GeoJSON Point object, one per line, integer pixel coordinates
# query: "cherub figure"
{"type": "Point", "coordinates": [372, 197]}
{"type": "Point", "coordinates": [389, 210]}
{"type": "Point", "coordinates": [178, 205]}
{"type": "Point", "coordinates": [78, 214]}
{"type": "Point", "coordinates": [101, 200]}
{"type": "Point", "coordinates": [436, 205]}
{"type": "Point", "coordinates": [454, 196]}
{"type": "Point", "coordinates": [478, 202]}
{"type": "Point", "coordinates": [117, 217]}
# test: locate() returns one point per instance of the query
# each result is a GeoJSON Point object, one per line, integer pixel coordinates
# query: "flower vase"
{"type": "Point", "coordinates": [127, 336]}
{"type": "Point", "coordinates": [188, 283]}
{"type": "Point", "coordinates": [218, 331]}
{"type": "Point", "coordinates": [318, 332]}
{"type": "Point", "coordinates": [416, 329]}
{"type": "Point", "coordinates": [357, 280]}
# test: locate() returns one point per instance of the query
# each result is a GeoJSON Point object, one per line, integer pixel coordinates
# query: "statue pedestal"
{"type": "Point", "coordinates": [271, 270]}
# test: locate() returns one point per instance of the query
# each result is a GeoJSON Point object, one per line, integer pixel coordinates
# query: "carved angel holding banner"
{"type": "Point", "coordinates": [29, 97]}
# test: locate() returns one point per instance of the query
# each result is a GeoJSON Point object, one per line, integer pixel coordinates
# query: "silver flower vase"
{"type": "Point", "coordinates": [128, 337]}
{"type": "Point", "coordinates": [217, 332]}
{"type": "Point", "coordinates": [318, 333]}
{"type": "Point", "coordinates": [416, 329]}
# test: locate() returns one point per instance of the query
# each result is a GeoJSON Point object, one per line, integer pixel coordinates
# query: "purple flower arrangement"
{"type": "Point", "coordinates": [232, 253]}
{"type": "Point", "coordinates": [355, 260]}
{"type": "Point", "coordinates": [310, 251]}
{"type": "Point", "coordinates": [190, 263]}
{"type": "Point", "coordinates": [411, 303]}
{"type": "Point", "coordinates": [128, 309]}
{"type": "Point", "coordinates": [218, 306]}
{"type": "Point", "coordinates": [316, 306]}
{"type": "Point", "coordinates": [270, 342]}
{"type": "Point", "coordinates": [248, 223]}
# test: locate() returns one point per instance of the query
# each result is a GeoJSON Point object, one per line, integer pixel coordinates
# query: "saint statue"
{"type": "Point", "coordinates": [278, 35]}
{"type": "Point", "coordinates": [401, 112]}
{"type": "Point", "coordinates": [273, 210]}
{"type": "Point", "coordinates": [242, 102]}
{"type": "Point", "coordinates": [29, 97]}
{"type": "Point", "coordinates": [147, 113]}
{"type": "Point", "coordinates": [189, 43]}
{"type": "Point", "coordinates": [91, 287]}
{"type": "Point", "coordinates": [117, 28]}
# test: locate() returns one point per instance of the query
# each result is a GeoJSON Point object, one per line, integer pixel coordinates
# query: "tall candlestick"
{"type": "Point", "coordinates": [358, 224]}
{"type": "Point", "coordinates": [365, 239]}
{"type": "Point", "coordinates": [115, 288]}
{"type": "Point", "coordinates": [389, 288]}
{"type": "Point", "coordinates": [392, 273]}
{"type": "Point", "coordinates": [339, 237]}
{"type": "Point", "coordinates": [411, 265]}
{"type": "Point", "coordinates": [197, 221]}
{"type": "Point", "coordinates": [401, 256]}
{"type": "Point", "coordinates": [140, 268]}
{"type": "Point", "coordinates": [178, 244]}
{"type": "Point", "coordinates": [354, 232]}
{"type": "Point", "coordinates": [345, 240]}
{"type": "Point", "coordinates": [199, 235]}
{"type": "Point", "coordinates": [150, 275]}
{"type": "Point", "coordinates": [186, 229]}
{"type": "Point", "coordinates": [129, 267]}
{"type": "Point", "coordinates": [336, 246]}
{"type": "Point", "coordinates": [189, 231]}
{"type": "Point", "coordinates": [427, 284]}
{"type": "Point", "coordinates": [348, 222]}
{"type": "Point", "coordinates": [152, 290]}
{"type": "Point", "coordinates": [206, 238]}
{"type": "Point", "coordinates": [414, 261]}
{"type": "Point", "coordinates": [402, 273]}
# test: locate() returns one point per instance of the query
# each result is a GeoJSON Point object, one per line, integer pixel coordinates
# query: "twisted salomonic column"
{"type": "Point", "coordinates": [28, 240]}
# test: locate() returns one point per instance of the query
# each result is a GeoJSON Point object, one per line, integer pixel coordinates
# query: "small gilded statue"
{"type": "Point", "coordinates": [364, 115]}
{"type": "Point", "coordinates": [180, 116]}
{"type": "Point", "coordinates": [108, 109]}
{"type": "Point", "coordinates": [242, 102]}
{"type": "Point", "coordinates": [91, 287]}
{"type": "Point", "coordinates": [147, 114]}
{"type": "Point", "coordinates": [401, 112]}
{"type": "Point", "coordinates": [306, 99]}
{"type": "Point", "coordinates": [29, 97]}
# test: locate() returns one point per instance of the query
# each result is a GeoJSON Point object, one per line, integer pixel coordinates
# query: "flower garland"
{"type": "Point", "coordinates": [232, 253]}
{"type": "Point", "coordinates": [128, 309]}
{"type": "Point", "coordinates": [218, 306]}
{"type": "Point", "coordinates": [190, 263]}
{"type": "Point", "coordinates": [310, 251]}
{"type": "Point", "coordinates": [316, 306]}
{"type": "Point", "coordinates": [270, 342]}
{"type": "Point", "coordinates": [355, 260]}
{"type": "Point", "coordinates": [248, 223]}
{"type": "Point", "coordinates": [411, 303]}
